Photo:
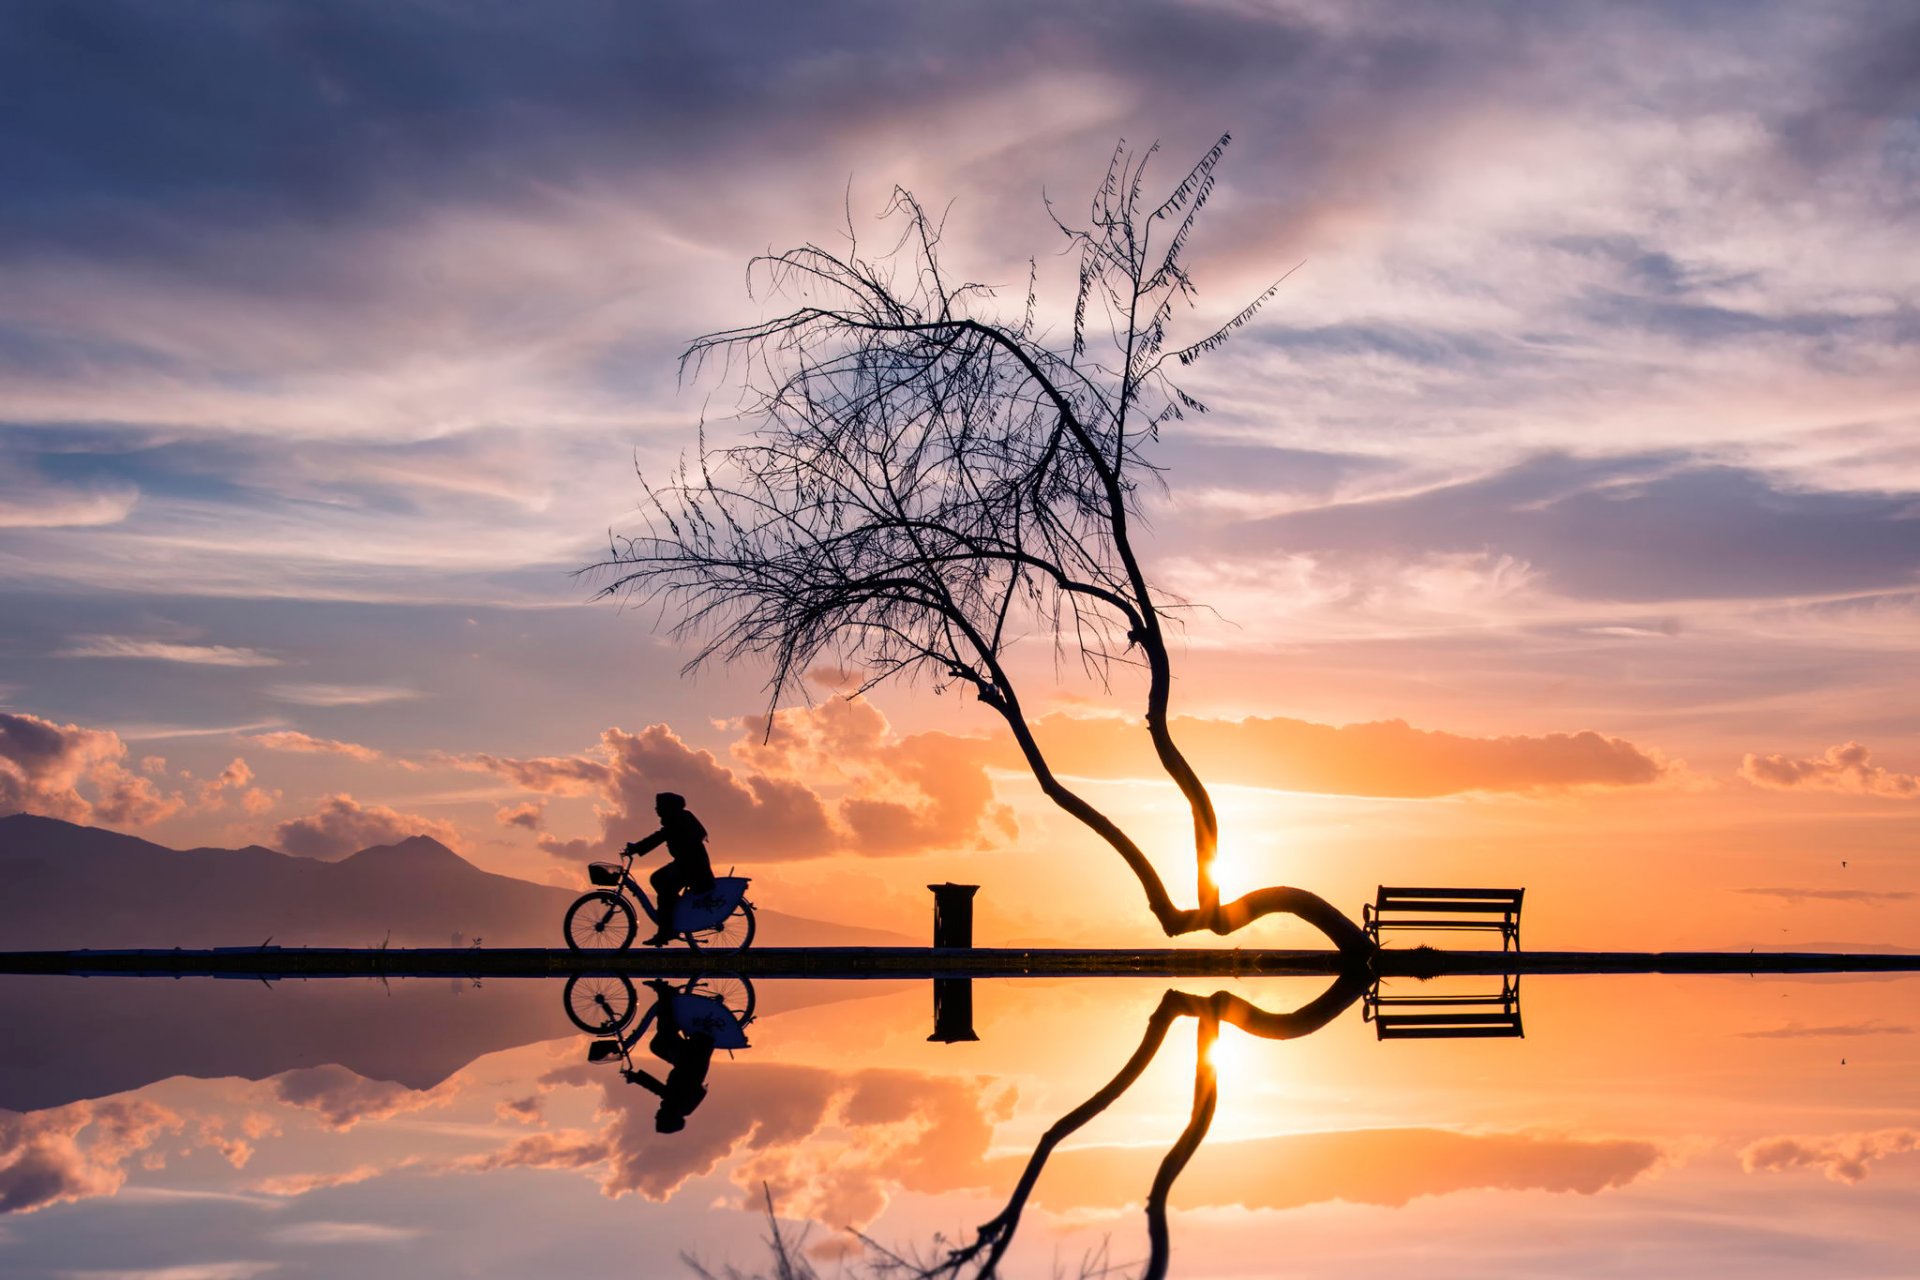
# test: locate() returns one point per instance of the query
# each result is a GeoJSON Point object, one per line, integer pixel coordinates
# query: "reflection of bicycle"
{"type": "Point", "coordinates": [716, 1005]}
{"type": "Point", "coordinates": [603, 919]}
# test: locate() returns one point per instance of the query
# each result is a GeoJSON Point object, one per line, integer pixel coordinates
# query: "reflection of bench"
{"type": "Point", "coordinates": [1403, 908]}
{"type": "Point", "coordinates": [1445, 1017]}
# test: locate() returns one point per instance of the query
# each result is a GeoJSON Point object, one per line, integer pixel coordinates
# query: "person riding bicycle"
{"type": "Point", "coordinates": [689, 870]}
{"type": "Point", "coordinates": [688, 1055]}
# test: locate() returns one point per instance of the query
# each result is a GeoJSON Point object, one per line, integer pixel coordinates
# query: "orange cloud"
{"type": "Point", "coordinates": [1382, 758]}
{"type": "Point", "coordinates": [43, 766]}
{"type": "Point", "coordinates": [1843, 1157]}
{"type": "Point", "coordinates": [293, 740]}
{"type": "Point", "coordinates": [780, 819]}
{"type": "Point", "coordinates": [343, 825]}
{"type": "Point", "coordinates": [1847, 768]}
{"type": "Point", "coordinates": [528, 815]}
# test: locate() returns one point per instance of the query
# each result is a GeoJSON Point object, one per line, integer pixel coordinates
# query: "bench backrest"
{"type": "Point", "coordinates": [1478, 901]}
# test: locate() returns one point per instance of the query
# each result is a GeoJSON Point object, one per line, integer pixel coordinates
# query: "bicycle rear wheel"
{"type": "Point", "coordinates": [731, 934]}
{"type": "Point", "coordinates": [600, 921]}
{"type": "Point", "coordinates": [731, 990]}
{"type": "Point", "coordinates": [600, 1004]}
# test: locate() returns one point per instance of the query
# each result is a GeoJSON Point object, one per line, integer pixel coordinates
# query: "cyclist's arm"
{"type": "Point", "coordinates": [642, 847]}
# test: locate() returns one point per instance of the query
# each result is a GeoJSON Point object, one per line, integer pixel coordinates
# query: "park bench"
{"type": "Point", "coordinates": [1408, 908]}
{"type": "Point", "coordinates": [1471, 1015]}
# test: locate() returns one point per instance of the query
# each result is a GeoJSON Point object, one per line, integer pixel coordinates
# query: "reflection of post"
{"type": "Point", "coordinates": [953, 914]}
{"type": "Point", "coordinates": [952, 1010]}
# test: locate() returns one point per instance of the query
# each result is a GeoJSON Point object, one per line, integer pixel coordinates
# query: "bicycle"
{"type": "Point", "coordinates": [717, 1005]}
{"type": "Point", "coordinates": [602, 919]}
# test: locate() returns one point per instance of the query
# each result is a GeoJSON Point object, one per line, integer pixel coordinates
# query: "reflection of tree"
{"type": "Point", "coordinates": [980, 1258]}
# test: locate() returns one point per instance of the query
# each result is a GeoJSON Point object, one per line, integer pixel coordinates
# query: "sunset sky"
{"type": "Point", "coordinates": [1558, 521]}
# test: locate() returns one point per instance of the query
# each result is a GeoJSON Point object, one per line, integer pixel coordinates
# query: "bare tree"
{"type": "Point", "coordinates": [928, 481]}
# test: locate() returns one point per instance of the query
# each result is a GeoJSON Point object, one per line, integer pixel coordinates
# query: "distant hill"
{"type": "Point", "coordinates": [65, 886]}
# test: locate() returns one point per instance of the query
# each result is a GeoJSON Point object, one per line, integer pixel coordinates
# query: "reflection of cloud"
{"type": "Point", "coordinates": [343, 1099]}
{"type": "Point", "coordinates": [1370, 1166]}
{"type": "Point", "coordinates": [340, 695]}
{"type": "Point", "coordinates": [829, 1146]}
{"type": "Point", "coordinates": [1847, 768]}
{"type": "Point", "coordinates": [206, 655]}
{"type": "Point", "coordinates": [1844, 1157]}
{"type": "Point", "coordinates": [72, 1152]}
{"type": "Point", "coordinates": [299, 1184]}
{"type": "Point", "coordinates": [43, 766]}
{"type": "Point", "coordinates": [342, 825]}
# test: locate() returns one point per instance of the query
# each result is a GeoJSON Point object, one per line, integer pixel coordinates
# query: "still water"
{"type": "Point", "coordinates": [200, 1129]}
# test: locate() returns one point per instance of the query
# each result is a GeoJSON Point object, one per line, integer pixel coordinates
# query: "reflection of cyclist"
{"type": "Point", "coordinates": [687, 1053]}
{"type": "Point", "coordinates": [686, 842]}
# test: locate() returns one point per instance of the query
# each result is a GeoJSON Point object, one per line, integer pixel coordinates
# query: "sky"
{"type": "Point", "coordinates": [1557, 522]}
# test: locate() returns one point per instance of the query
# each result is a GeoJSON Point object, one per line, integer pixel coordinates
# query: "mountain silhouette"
{"type": "Point", "coordinates": [70, 886]}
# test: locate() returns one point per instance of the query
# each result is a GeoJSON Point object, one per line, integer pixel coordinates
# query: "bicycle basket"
{"type": "Point", "coordinates": [606, 873]}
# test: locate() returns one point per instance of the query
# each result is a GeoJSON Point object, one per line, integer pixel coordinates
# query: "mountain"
{"type": "Point", "coordinates": [66, 886]}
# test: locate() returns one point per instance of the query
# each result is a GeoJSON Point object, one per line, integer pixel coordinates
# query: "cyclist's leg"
{"type": "Point", "coordinates": [668, 884]}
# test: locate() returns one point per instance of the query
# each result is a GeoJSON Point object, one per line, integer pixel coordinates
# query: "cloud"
{"type": "Point", "coordinates": [1383, 758]}
{"type": "Point", "coordinates": [1847, 768]}
{"type": "Point", "coordinates": [44, 766]}
{"type": "Point", "coordinates": [1654, 527]}
{"type": "Point", "coordinates": [339, 695]}
{"type": "Point", "coordinates": [529, 815]}
{"type": "Point", "coordinates": [1863, 896]}
{"type": "Point", "coordinates": [342, 825]}
{"type": "Point", "coordinates": [895, 795]}
{"type": "Point", "coordinates": [76, 1151]}
{"type": "Point", "coordinates": [908, 794]}
{"type": "Point", "coordinates": [778, 819]}
{"type": "Point", "coordinates": [31, 501]}
{"type": "Point", "coordinates": [341, 1233]}
{"type": "Point", "coordinates": [1371, 1166]}
{"type": "Point", "coordinates": [294, 740]}
{"type": "Point", "coordinates": [1844, 1157]}
{"type": "Point", "coordinates": [205, 655]}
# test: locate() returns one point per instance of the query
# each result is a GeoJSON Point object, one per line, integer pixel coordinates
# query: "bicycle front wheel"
{"type": "Point", "coordinates": [600, 921]}
{"type": "Point", "coordinates": [600, 1004]}
{"type": "Point", "coordinates": [732, 934]}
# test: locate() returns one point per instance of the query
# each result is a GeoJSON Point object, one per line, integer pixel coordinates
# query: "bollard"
{"type": "Point", "coordinates": [952, 1010]}
{"type": "Point", "coordinates": [953, 914]}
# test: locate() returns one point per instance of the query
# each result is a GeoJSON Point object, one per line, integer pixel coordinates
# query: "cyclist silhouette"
{"type": "Point", "coordinates": [688, 1054]}
{"type": "Point", "coordinates": [686, 842]}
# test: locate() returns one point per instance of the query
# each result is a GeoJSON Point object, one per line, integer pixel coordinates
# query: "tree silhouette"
{"type": "Point", "coordinates": [980, 1257]}
{"type": "Point", "coordinates": [929, 481]}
